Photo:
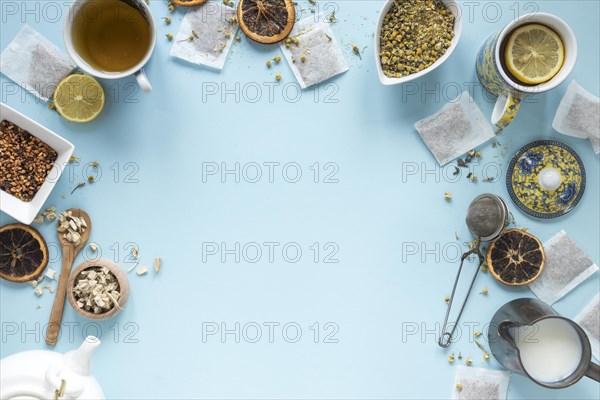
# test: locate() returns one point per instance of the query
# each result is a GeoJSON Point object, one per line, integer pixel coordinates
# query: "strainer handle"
{"type": "Point", "coordinates": [446, 336]}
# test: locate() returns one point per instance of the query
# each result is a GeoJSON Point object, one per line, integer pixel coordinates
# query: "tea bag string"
{"type": "Point", "coordinates": [58, 393]}
{"type": "Point", "coordinates": [446, 337]}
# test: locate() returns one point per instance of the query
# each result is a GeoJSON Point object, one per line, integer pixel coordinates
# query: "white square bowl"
{"type": "Point", "coordinates": [25, 211]}
{"type": "Point", "coordinates": [454, 8]}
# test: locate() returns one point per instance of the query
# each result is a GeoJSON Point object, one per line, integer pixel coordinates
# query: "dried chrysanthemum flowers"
{"type": "Point", "coordinates": [97, 290]}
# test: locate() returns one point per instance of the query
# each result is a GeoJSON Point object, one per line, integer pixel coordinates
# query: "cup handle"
{"type": "Point", "coordinates": [593, 372]}
{"type": "Point", "coordinates": [505, 110]}
{"type": "Point", "coordinates": [143, 81]}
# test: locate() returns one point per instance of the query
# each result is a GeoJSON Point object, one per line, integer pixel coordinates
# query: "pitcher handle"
{"type": "Point", "coordinates": [143, 81]}
{"type": "Point", "coordinates": [593, 371]}
{"type": "Point", "coordinates": [505, 110]}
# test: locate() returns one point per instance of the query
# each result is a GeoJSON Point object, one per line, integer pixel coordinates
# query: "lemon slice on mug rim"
{"type": "Point", "coordinates": [534, 54]}
{"type": "Point", "coordinates": [79, 98]}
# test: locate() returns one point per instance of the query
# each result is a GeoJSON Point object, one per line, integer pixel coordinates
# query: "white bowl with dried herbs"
{"type": "Point", "coordinates": [98, 289]}
{"type": "Point", "coordinates": [414, 37]}
{"type": "Point", "coordinates": [32, 159]}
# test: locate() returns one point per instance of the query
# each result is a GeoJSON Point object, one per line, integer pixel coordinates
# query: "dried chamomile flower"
{"type": "Point", "coordinates": [169, 36]}
{"type": "Point", "coordinates": [303, 57]}
{"type": "Point", "coordinates": [484, 291]}
{"type": "Point", "coordinates": [74, 159]}
{"type": "Point", "coordinates": [167, 20]}
{"type": "Point", "coordinates": [356, 50]}
{"type": "Point", "coordinates": [277, 58]}
{"type": "Point", "coordinates": [91, 179]}
{"type": "Point", "coordinates": [451, 358]}
{"type": "Point", "coordinates": [486, 356]}
{"type": "Point", "coordinates": [484, 269]}
{"type": "Point", "coordinates": [460, 356]}
{"type": "Point", "coordinates": [278, 77]}
{"type": "Point", "coordinates": [469, 361]}
{"type": "Point", "coordinates": [458, 387]}
{"type": "Point", "coordinates": [79, 185]}
{"type": "Point", "coordinates": [269, 64]}
{"type": "Point", "coordinates": [447, 299]}
{"type": "Point", "coordinates": [477, 334]}
{"type": "Point", "coordinates": [481, 347]}
{"type": "Point", "coordinates": [447, 196]}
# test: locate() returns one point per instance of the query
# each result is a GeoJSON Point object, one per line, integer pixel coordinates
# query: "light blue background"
{"type": "Point", "coordinates": [374, 214]}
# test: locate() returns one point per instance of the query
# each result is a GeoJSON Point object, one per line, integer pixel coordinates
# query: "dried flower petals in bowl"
{"type": "Point", "coordinates": [98, 289]}
{"type": "Point", "coordinates": [413, 37]}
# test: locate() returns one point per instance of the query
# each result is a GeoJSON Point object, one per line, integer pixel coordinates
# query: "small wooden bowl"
{"type": "Point", "coordinates": [121, 279]}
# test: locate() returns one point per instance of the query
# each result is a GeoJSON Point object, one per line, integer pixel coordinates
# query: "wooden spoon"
{"type": "Point", "coordinates": [69, 252]}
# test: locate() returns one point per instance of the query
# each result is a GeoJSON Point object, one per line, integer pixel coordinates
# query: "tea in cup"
{"type": "Point", "coordinates": [532, 54]}
{"type": "Point", "coordinates": [111, 39]}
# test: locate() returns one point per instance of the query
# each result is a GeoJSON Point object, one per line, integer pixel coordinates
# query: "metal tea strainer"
{"type": "Point", "coordinates": [487, 217]}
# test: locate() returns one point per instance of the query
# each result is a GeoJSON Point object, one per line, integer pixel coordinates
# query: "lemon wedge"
{"type": "Point", "coordinates": [534, 54]}
{"type": "Point", "coordinates": [79, 98]}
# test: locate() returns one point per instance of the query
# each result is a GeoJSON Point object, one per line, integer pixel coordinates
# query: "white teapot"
{"type": "Point", "coordinates": [45, 374]}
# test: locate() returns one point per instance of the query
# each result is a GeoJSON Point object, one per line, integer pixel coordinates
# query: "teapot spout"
{"type": "Point", "coordinates": [79, 360]}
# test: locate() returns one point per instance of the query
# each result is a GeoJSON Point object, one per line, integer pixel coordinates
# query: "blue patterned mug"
{"type": "Point", "coordinates": [496, 80]}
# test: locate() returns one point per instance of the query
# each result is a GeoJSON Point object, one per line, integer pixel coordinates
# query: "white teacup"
{"type": "Point", "coordinates": [137, 70]}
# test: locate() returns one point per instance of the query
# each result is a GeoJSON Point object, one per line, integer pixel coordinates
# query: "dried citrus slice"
{"type": "Point", "coordinates": [266, 21]}
{"type": "Point", "coordinates": [516, 258]}
{"type": "Point", "coordinates": [534, 54]}
{"type": "Point", "coordinates": [188, 3]}
{"type": "Point", "coordinates": [23, 253]}
{"type": "Point", "coordinates": [79, 98]}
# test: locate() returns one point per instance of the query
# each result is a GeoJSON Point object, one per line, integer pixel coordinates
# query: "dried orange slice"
{"type": "Point", "coordinates": [188, 3]}
{"type": "Point", "coordinates": [266, 21]}
{"type": "Point", "coordinates": [516, 258]}
{"type": "Point", "coordinates": [23, 253]}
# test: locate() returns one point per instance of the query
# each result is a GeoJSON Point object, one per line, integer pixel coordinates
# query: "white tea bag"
{"type": "Point", "coordinates": [589, 320]}
{"type": "Point", "coordinates": [480, 384]}
{"type": "Point", "coordinates": [578, 115]}
{"type": "Point", "coordinates": [566, 267]}
{"type": "Point", "coordinates": [206, 34]}
{"type": "Point", "coordinates": [454, 130]}
{"type": "Point", "coordinates": [313, 54]}
{"type": "Point", "coordinates": [35, 63]}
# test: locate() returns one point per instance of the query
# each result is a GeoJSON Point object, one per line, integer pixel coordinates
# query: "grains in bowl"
{"type": "Point", "coordinates": [25, 161]}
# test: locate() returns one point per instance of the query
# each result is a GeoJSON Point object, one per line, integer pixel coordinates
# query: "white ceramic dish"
{"type": "Point", "coordinates": [21, 210]}
{"type": "Point", "coordinates": [453, 6]}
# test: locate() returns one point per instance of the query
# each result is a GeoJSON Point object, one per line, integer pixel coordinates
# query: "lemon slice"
{"type": "Point", "coordinates": [79, 98]}
{"type": "Point", "coordinates": [534, 54]}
